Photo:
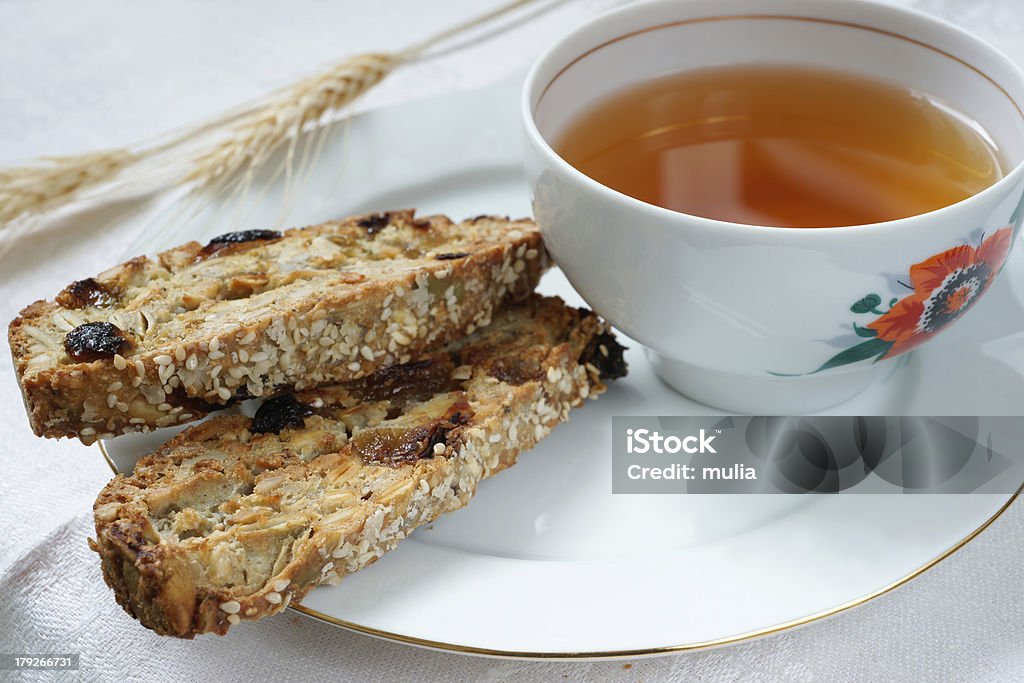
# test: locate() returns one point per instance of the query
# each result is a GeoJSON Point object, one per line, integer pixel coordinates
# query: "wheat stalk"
{"type": "Point", "coordinates": [232, 145]}
{"type": "Point", "coordinates": [256, 135]}
{"type": "Point", "coordinates": [50, 181]}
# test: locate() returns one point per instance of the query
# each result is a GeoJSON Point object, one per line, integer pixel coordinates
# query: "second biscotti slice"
{"type": "Point", "coordinates": [157, 342]}
{"type": "Point", "coordinates": [236, 517]}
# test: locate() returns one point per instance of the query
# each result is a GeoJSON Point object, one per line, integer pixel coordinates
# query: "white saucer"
{"type": "Point", "coordinates": [546, 562]}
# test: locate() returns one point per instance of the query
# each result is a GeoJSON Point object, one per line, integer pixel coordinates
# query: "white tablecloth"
{"type": "Point", "coordinates": [77, 75]}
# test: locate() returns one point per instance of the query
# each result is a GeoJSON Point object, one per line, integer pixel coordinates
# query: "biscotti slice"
{"type": "Point", "coordinates": [152, 343]}
{"type": "Point", "coordinates": [237, 516]}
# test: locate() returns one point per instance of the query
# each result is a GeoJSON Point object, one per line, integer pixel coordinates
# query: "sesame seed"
{"type": "Point", "coordinates": [140, 368]}
{"type": "Point", "coordinates": [214, 344]}
{"type": "Point", "coordinates": [192, 363]}
{"type": "Point", "coordinates": [243, 355]}
{"type": "Point", "coordinates": [249, 338]}
{"type": "Point", "coordinates": [119, 362]}
{"type": "Point", "coordinates": [115, 386]}
{"type": "Point", "coordinates": [234, 620]}
{"type": "Point", "coordinates": [494, 438]}
{"type": "Point", "coordinates": [184, 417]}
{"type": "Point", "coordinates": [401, 338]}
{"type": "Point", "coordinates": [231, 606]}
{"type": "Point", "coordinates": [259, 357]}
{"type": "Point", "coordinates": [87, 431]}
{"type": "Point", "coordinates": [367, 352]}
{"type": "Point", "coordinates": [164, 407]}
{"type": "Point", "coordinates": [111, 400]}
{"type": "Point", "coordinates": [250, 612]}
{"type": "Point", "coordinates": [554, 374]}
{"type": "Point", "coordinates": [224, 393]}
{"type": "Point", "coordinates": [136, 421]}
{"type": "Point", "coordinates": [216, 370]}
{"type": "Point", "coordinates": [317, 403]}
{"type": "Point", "coordinates": [215, 355]}
{"type": "Point", "coordinates": [281, 584]}
{"type": "Point", "coordinates": [531, 254]}
{"type": "Point", "coordinates": [354, 366]}
{"type": "Point", "coordinates": [439, 448]}
{"type": "Point", "coordinates": [603, 349]}
{"type": "Point", "coordinates": [387, 300]}
{"type": "Point", "coordinates": [274, 598]}
{"type": "Point", "coordinates": [121, 406]}
{"type": "Point", "coordinates": [179, 353]}
{"type": "Point", "coordinates": [325, 341]}
{"type": "Point", "coordinates": [163, 359]}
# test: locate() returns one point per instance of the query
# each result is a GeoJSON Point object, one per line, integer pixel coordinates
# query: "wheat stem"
{"type": "Point", "coordinates": [217, 150]}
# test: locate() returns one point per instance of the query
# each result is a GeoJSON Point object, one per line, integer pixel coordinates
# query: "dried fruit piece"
{"type": "Point", "coordinates": [245, 236]}
{"type": "Point", "coordinates": [416, 380]}
{"type": "Point", "coordinates": [375, 222]}
{"type": "Point", "coordinates": [230, 239]}
{"type": "Point", "coordinates": [93, 341]}
{"type": "Point", "coordinates": [278, 413]}
{"type": "Point", "coordinates": [397, 446]}
{"type": "Point", "coordinates": [518, 370]}
{"type": "Point", "coordinates": [87, 292]}
{"type": "Point", "coordinates": [605, 353]}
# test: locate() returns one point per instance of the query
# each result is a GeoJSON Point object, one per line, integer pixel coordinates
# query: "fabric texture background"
{"type": "Point", "coordinates": [77, 76]}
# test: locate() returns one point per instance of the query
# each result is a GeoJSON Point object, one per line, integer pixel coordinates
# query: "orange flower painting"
{"type": "Point", "coordinates": [944, 287]}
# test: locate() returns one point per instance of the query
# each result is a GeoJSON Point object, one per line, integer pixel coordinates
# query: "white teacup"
{"type": "Point", "coordinates": [757, 319]}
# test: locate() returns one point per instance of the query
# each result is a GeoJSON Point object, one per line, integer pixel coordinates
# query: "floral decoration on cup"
{"type": "Point", "coordinates": [944, 287]}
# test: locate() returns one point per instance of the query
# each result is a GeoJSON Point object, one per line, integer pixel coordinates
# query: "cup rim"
{"type": "Point", "coordinates": [1010, 178]}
